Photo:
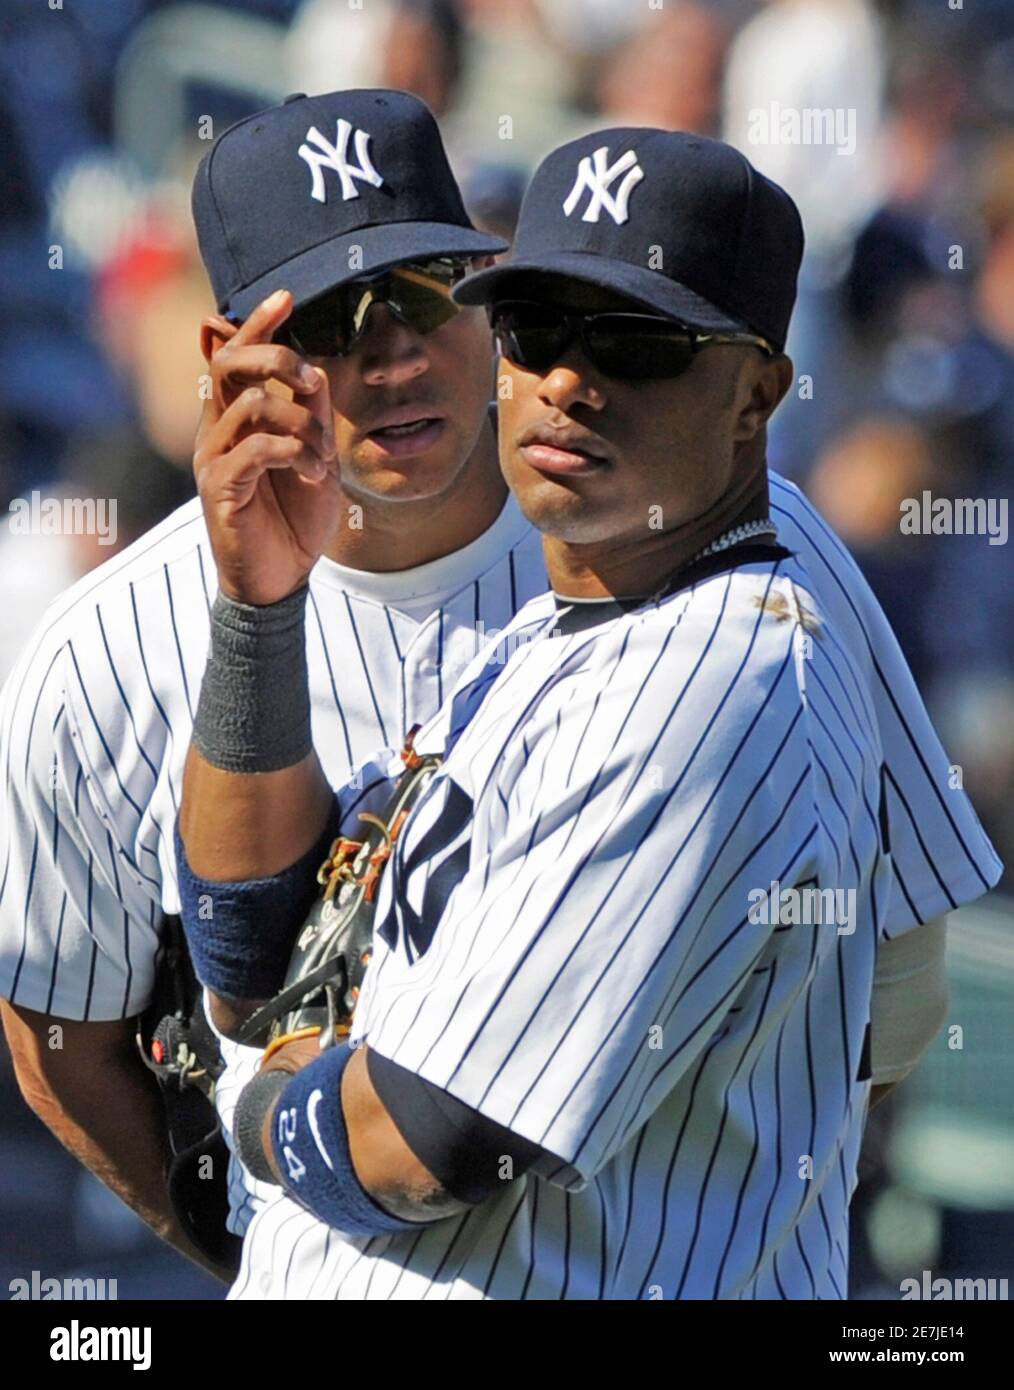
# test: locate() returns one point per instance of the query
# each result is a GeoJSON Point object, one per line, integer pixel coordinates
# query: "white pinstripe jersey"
{"type": "Point", "coordinates": [95, 722]}
{"type": "Point", "coordinates": [533, 1000]}
{"type": "Point", "coordinates": [564, 941]}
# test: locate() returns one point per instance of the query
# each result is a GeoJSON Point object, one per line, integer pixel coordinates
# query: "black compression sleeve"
{"type": "Point", "coordinates": [463, 1150]}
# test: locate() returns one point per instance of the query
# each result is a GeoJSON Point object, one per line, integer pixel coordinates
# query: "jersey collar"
{"type": "Point", "coordinates": [576, 615]}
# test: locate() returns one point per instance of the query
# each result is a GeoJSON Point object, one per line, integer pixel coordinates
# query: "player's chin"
{"type": "Point", "coordinates": [564, 509]}
{"type": "Point", "coordinates": [424, 474]}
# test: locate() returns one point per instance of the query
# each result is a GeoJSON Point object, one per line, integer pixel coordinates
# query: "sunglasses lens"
{"type": "Point", "coordinates": [317, 329]}
{"type": "Point", "coordinates": [633, 347]}
{"type": "Point", "coordinates": [534, 336]}
{"type": "Point", "coordinates": [420, 295]}
{"type": "Point", "coordinates": [629, 347]}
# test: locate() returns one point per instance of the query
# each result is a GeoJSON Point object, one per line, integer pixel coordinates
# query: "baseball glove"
{"type": "Point", "coordinates": [334, 945]}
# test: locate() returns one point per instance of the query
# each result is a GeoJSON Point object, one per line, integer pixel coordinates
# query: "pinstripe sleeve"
{"type": "Point", "coordinates": [941, 857]}
{"type": "Point", "coordinates": [78, 931]}
{"type": "Point", "coordinates": [592, 949]}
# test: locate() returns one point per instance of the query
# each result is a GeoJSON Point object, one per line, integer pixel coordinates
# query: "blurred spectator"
{"type": "Point", "coordinates": [151, 299]}
{"type": "Point", "coordinates": [668, 73]}
{"type": "Point", "coordinates": [592, 26]}
{"type": "Point", "coordinates": [423, 52]}
{"type": "Point", "coordinates": [797, 58]}
{"type": "Point", "coordinates": [519, 89]}
{"type": "Point", "coordinates": [333, 45]}
{"type": "Point", "coordinates": [859, 483]}
{"type": "Point", "coordinates": [413, 45]}
{"type": "Point", "coordinates": [928, 98]}
{"type": "Point", "coordinates": [994, 296]}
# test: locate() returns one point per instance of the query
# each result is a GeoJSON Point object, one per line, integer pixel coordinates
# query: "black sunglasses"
{"type": "Point", "coordinates": [418, 293]}
{"type": "Point", "coordinates": [631, 347]}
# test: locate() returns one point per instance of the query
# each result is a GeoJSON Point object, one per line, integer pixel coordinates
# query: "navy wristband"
{"type": "Point", "coordinates": [311, 1148]}
{"type": "Point", "coordinates": [241, 933]}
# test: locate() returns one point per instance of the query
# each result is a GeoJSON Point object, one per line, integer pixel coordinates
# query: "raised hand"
{"type": "Point", "coordinates": [265, 466]}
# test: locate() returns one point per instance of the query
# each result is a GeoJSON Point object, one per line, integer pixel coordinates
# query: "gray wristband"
{"type": "Point", "coordinates": [253, 714]}
{"type": "Point", "coordinates": [255, 1100]}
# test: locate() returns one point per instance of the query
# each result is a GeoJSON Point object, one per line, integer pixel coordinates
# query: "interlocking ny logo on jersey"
{"type": "Point", "coordinates": [597, 175]}
{"type": "Point", "coordinates": [424, 874]}
{"type": "Point", "coordinates": [336, 157]}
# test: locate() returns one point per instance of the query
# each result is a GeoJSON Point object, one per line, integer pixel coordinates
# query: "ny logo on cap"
{"type": "Point", "coordinates": [597, 177]}
{"type": "Point", "coordinates": [328, 156]}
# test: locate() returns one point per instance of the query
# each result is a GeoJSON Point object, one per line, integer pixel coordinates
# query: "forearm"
{"type": "Point", "coordinates": [109, 1116]}
{"type": "Point", "coordinates": [239, 826]}
{"type": "Point", "coordinates": [255, 797]}
{"type": "Point", "coordinates": [119, 1134]}
{"type": "Point", "coordinates": [254, 807]}
{"type": "Point", "coordinates": [398, 1148]}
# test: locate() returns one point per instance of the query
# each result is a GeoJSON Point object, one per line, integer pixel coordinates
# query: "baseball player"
{"type": "Point", "coordinates": [314, 197]}
{"type": "Point", "coordinates": [618, 1034]}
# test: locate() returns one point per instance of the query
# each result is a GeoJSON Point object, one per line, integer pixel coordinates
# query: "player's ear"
{"type": "Point", "coordinates": [215, 333]}
{"type": "Point", "coordinates": [767, 382]}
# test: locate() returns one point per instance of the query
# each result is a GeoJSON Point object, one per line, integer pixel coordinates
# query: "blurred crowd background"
{"type": "Point", "coordinates": [903, 343]}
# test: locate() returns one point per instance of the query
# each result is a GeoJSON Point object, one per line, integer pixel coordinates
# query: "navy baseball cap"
{"type": "Point", "coordinates": [682, 224]}
{"type": "Point", "coordinates": [324, 189]}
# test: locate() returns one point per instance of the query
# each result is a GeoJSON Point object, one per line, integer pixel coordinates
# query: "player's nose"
{"type": "Point", "coordinates": [389, 351]}
{"type": "Point", "coordinates": [572, 380]}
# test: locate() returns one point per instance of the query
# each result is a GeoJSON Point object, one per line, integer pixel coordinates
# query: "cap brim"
{"type": "Point", "coordinates": [648, 287]}
{"type": "Point", "coordinates": [359, 253]}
